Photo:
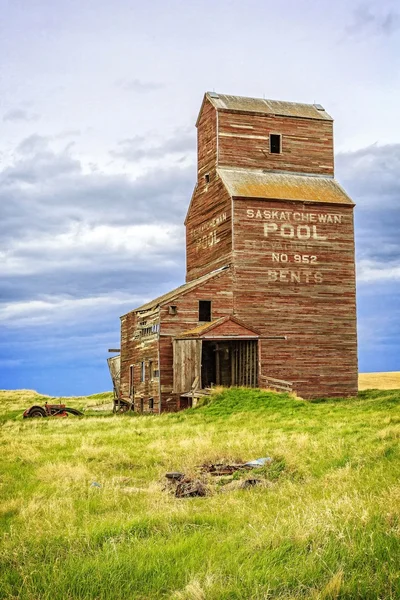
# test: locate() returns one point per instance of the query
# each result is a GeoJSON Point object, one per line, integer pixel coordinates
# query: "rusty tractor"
{"type": "Point", "coordinates": [50, 410]}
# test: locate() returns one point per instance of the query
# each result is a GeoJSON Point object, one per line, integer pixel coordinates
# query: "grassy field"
{"type": "Point", "coordinates": [324, 522]}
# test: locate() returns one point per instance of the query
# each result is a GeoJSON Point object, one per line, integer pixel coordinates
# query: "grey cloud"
{"type": "Point", "coordinates": [19, 114]}
{"type": "Point", "coordinates": [40, 168]}
{"type": "Point", "coordinates": [134, 149]}
{"type": "Point", "coordinates": [45, 196]}
{"type": "Point", "coordinates": [139, 86]}
{"type": "Point", "coordinates": [33, 144]}
{"type": "Point", "coordinates": [59, 193]}
{"type": "Point", "coordinates": [370, 175]}
{"type": "Point", "coordinates": [67, 133]}
{"type": "Point", "coordinates": [369, 20]}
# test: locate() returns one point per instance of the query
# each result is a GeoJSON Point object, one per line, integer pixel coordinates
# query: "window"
{"type": "Point", "coordinates": [150, 370]}
{"type": "Point", "coordinates": [147, 330]}
{"type": "Point", "coordinates": [142, 371]}
{"type": "Point", "coordinates": [207, 178]}
{"type": "Point", "coordinates": [204, 310]}
{"type": "Point", "coordinates": [156, 373]}
{"type": "Point", "coordinates": [131, 385]}
{"type": "Point", "coordinates": [275, 140]}
{"type": "Point", "coordinates": [151, 403]}
{"type": "Point", "coordinates": [172, 310]}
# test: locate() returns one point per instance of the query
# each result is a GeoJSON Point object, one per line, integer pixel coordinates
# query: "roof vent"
{"type": "Point", "coordinates": [319, 107]}
{"type": "Point", "coordinates": [213, 94]}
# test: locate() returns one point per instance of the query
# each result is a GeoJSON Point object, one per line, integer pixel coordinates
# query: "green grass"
{"type": "Point", "coordinates": [324, 524]}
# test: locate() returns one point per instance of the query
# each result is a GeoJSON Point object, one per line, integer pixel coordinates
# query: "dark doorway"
{"type": "Point", "coordinates": [229, 363]}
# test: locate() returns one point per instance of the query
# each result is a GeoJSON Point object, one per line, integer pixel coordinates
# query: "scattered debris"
{"type": "Point", "coordinates": [188, 488]}
{"type": "Point", "coordinates": [220, 469]}
{"type": "Point", "coordinates": [175, 476]}
{"type": "Point", "coordinates": [259, 462]}
{"type": "Point", "coordinates": [183, 486]}
{"type": "Point", "coordinates": [95, 484]}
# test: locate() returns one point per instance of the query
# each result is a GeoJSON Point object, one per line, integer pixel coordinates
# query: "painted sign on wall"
{"type": "Point", "coordinates": [206, 236]}
{"type": "Point", "coordinates": [292, 240]}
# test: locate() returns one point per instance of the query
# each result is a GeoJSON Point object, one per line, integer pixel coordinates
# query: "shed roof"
{"type": "Point", "coordinates": [268, 107]}
{"type": "Point", "coordinates": [178, 291]}
{"type": "Point", "coordinates": [258, 183]}
{"type": "Point", "coordinates": [206, 328]}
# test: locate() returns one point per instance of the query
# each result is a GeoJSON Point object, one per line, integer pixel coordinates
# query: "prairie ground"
{"type": "Point", "coordinates": [379, 381]}
{"type": "Point", "coordinates": [85, 514]}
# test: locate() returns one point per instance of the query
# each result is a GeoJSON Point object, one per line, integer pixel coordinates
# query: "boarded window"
{"type": "Point", "coordinates": [131, 384]}
{"type": "Point", "coordinates": [204, 310]}
{"type": "Point", "coordinates": [275, 143]}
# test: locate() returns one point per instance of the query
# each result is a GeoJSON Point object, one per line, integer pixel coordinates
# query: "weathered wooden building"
{"type": "Point", "coordinates": [270, 284]}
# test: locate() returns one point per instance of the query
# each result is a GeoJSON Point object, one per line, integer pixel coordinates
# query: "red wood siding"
{"type": "Point", "coordinates": [206, 141]}
{"type": "Point", "coordinates": [307, 144]}
{"type": "Point", "coordinates": [294, 275]}
{"type": "Point", "coordinates": [292, 262]}
{"type": "Point", "coordinates": [219, 291]}
{"type": "Point", "coordinates": [208, 229]}
{"type": "Point", "coordinates": [134, 351]}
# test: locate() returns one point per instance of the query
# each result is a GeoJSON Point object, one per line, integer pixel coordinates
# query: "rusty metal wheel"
{"type": "Point", "coordinates": [37, 412]}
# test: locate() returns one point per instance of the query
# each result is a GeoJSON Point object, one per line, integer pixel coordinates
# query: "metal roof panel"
{"type": "Point", "coordinates": [257, 183]}
{"type": "Point", "coordinates": [268, 107]}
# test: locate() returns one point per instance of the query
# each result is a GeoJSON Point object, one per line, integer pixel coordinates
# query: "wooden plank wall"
{"type": "Point", "coordinates": [134, 350]}
{"type": "Point", "coordinates": [208, 229]}
{"type": "Point", "coordinates": [298, 279]}
{"type": "Point", "coordinates": [307, 144]}
{"type": "Point", "coordinates": [114, 366]}
{"type": "Point", "coordinates": [206, 141]}
{"type": "Point", "coordinates": [219, 291]}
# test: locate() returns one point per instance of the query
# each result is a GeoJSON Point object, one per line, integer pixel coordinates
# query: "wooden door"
{"type": "Point", "coordinates": [187, 364]}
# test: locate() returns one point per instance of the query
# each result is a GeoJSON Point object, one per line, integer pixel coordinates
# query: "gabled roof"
{"type": "Point", "coordinates": [267, 107]}
{"type": "Point", "coordinates": [169, 296]}
{"type": "Point", "coordinates": [224, 327]}
{"type": "Point", "coordinates": [258, 183]}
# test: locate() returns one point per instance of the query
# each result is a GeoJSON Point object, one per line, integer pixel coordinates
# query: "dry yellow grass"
{"type": "Point", "coordinates": [379, 381]}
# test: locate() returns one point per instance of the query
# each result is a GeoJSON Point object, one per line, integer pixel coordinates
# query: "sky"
{"type": "Point", "coordinates": [98, 104]}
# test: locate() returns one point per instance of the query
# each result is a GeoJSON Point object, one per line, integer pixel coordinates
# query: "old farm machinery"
{"type": "Point", "coordinates": [51, 410]}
